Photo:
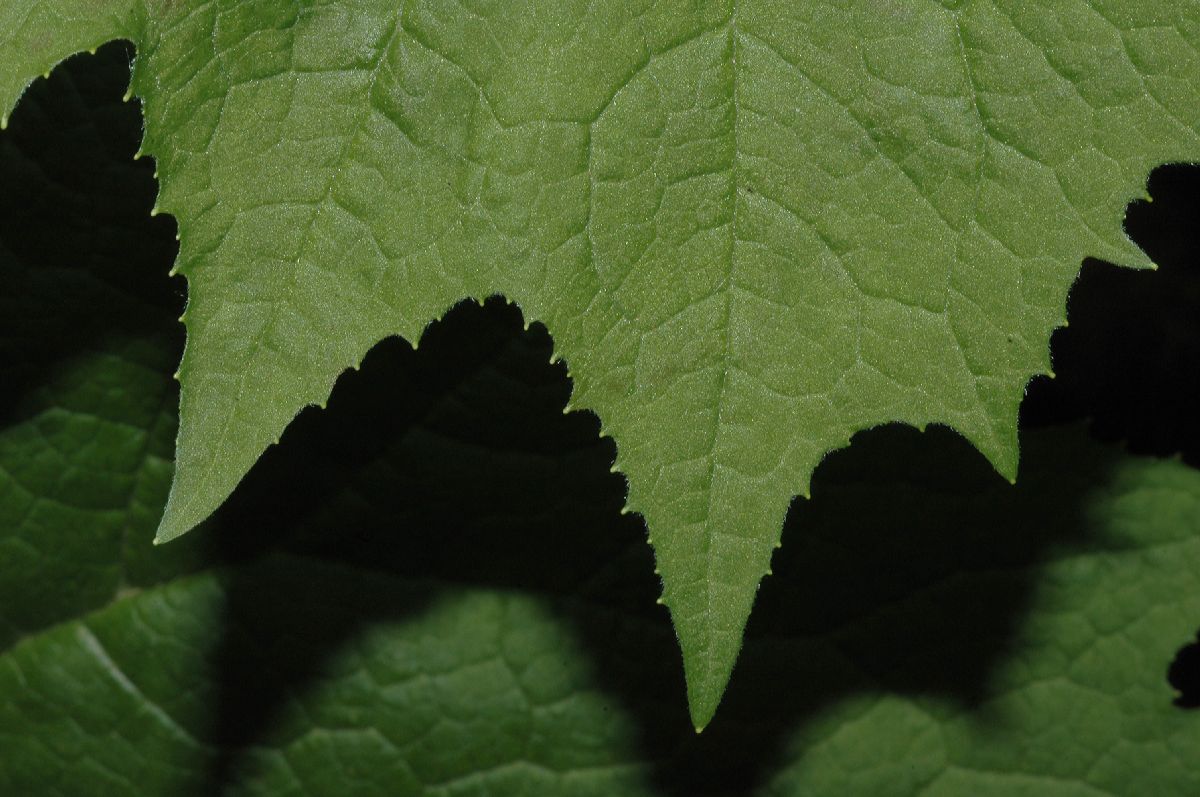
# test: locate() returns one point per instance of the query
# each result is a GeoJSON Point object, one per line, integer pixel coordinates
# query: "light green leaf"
{"type": "Point", "coordinates": [753, 228]}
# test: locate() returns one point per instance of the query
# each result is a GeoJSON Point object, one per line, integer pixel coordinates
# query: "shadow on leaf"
{"type": "Point", "coordinates": [454, 468]}
{"type": "Point", "coordinates": [76, 236]}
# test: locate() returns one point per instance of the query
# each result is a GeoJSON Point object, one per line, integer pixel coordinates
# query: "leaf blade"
{"type": "Point", "coordinates": [731, 308]}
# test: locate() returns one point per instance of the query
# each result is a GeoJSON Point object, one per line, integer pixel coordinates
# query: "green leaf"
{"type": "Point", "coordinates": [429, 589]}
{"type": "Point", "coordinates": [752, 228]}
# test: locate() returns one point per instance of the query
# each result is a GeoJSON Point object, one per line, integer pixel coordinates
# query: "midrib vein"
{"type": "Point", "coordinates": [710, 531]}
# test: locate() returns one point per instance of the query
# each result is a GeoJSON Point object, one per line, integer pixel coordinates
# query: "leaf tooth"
{"type": "Point", "coordinates": [631, 504]}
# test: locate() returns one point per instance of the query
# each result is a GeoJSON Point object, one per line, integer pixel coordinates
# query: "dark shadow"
{"type": "Point", "coordinates": [454, 466]}
{"type": "Point", "coordinates": [908, 573]}
{"type": "Point", "coordinates": [1130, 358]}
{"type": "Point", "coordinates": [79, 252]}
{"type": "Point", "coordinates": [89, 337]}
{"type": "Point", "coordinates": [1184, 675]}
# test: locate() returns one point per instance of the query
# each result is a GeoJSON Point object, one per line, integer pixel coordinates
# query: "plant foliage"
{"type": "Point", "coordinates": [752, 227]}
